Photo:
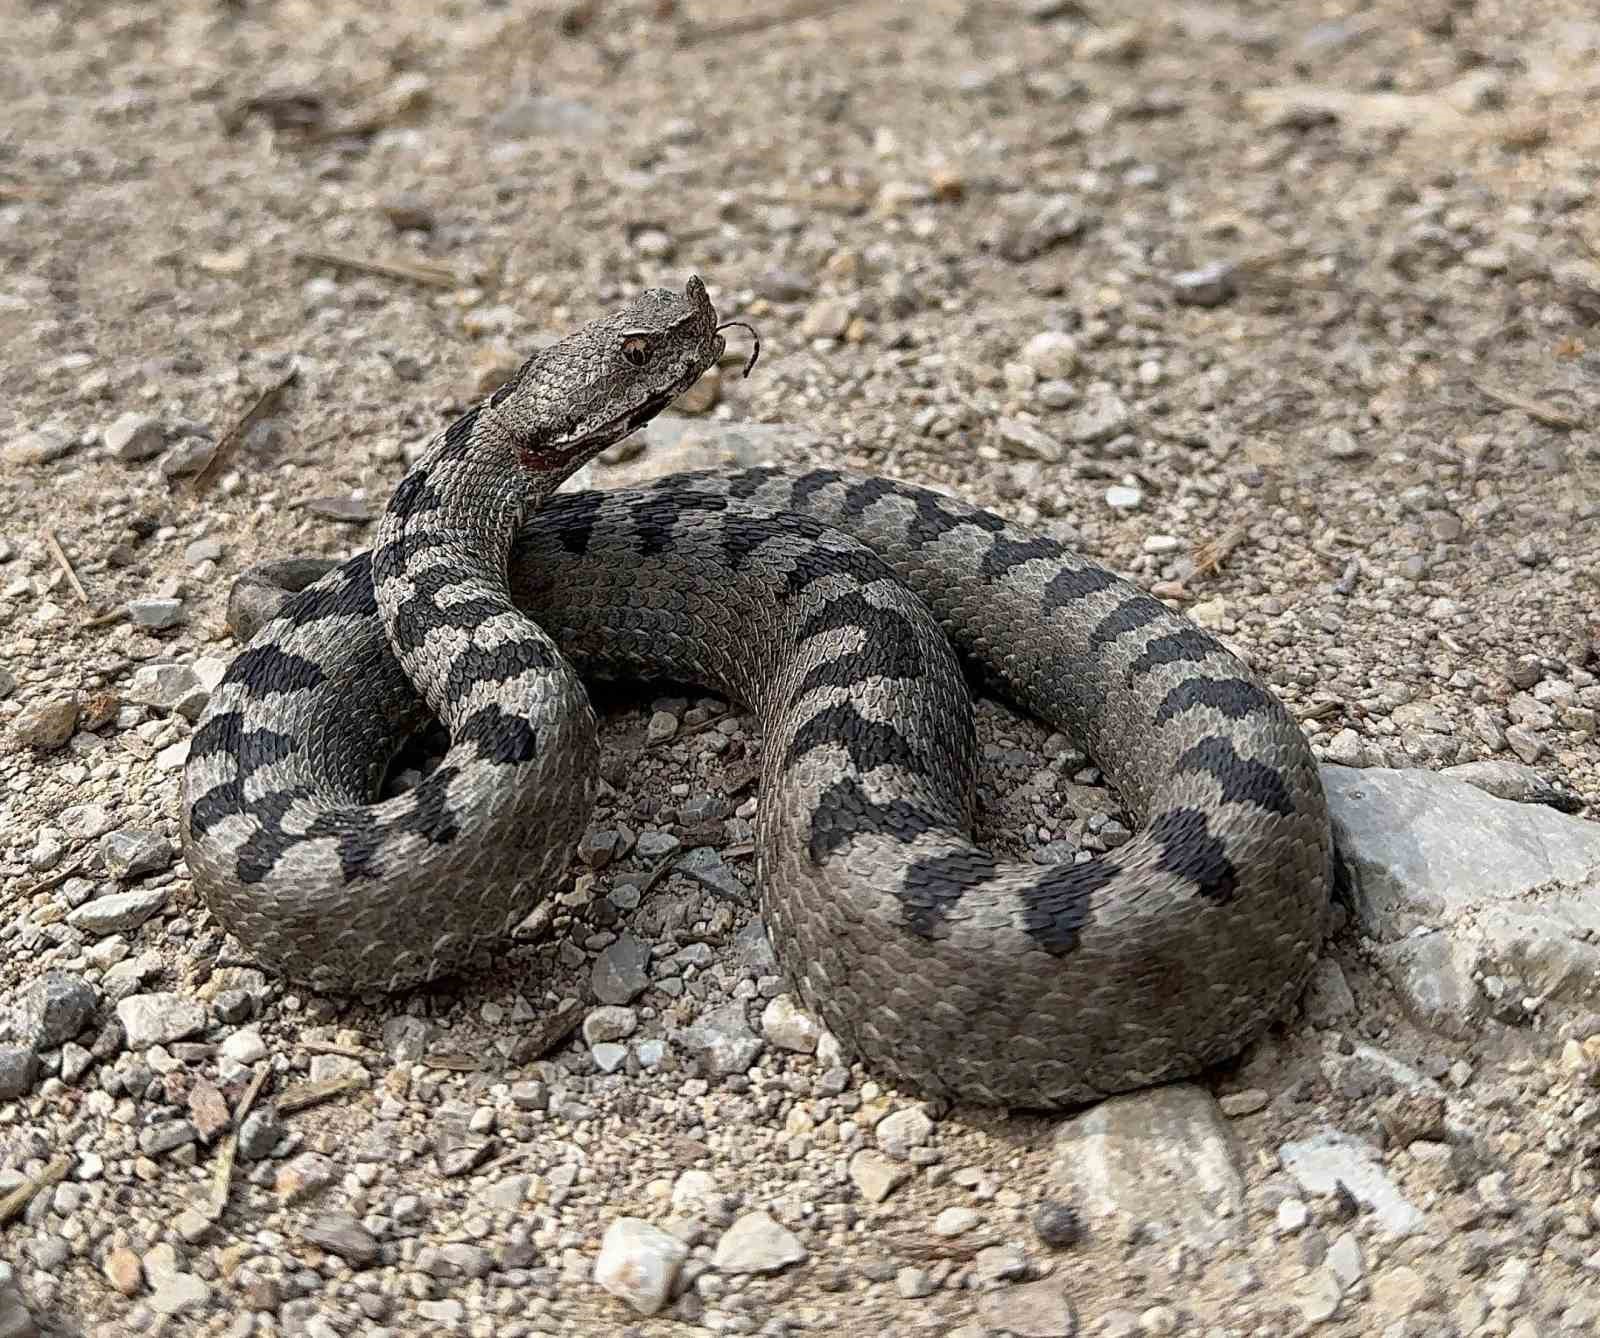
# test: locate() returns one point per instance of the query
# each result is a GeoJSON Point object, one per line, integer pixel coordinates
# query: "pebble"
{"type": "Point", "coordinates": [155, 613]}
{"type": "Point", "coordinates": [1208, 286]}
{"type": "Point", "coordinates": [954, 1221]}
{"type": "Point", "coordinates": [876, 1176]}
{"type": "Point", "coordinates": [1030, 1310]}
{"type": "Point", "coordinates": [55, 1008]}
{"type": "Point", "coordinates": [159, 1019]}
{"type": "Point", "coordinates": [639, 1263]}
{"type": "Point", "coordinates": [129, 853]}
{"type": "Point", "coordinates": [343, 1235]}
{"type": "Point", "coordinates": [1052, 354]}
{"type": "Point", "coordinates": [755, 1243]}
{"type": "Point", "coordinates": [620, 973]}
{"type": "Point", "coordinates": [119, 912]}
{"type": "Point", "coordinates": [1120, 497]}
{"type": "Point", "coordinates": [722, 1041]}
{"type": "Point", "coordinates": [1100, 419]}
{"type": "Point", "coordinates": [133, 437]}
{"type": "Point", "coordinates": [903, 1130]}
{"type": "Point", "coordinates": [46, 725]}
{"type": "Point", "coordinates": [789, 1026]}
{"type": "Point", "coordinates": [609, 1023]}
{"type": "Point", "coordinates": [18, 1067]}
{"type": "Point", "coordinates": [1025, 439]}
{"type": "Point", "coordinates": [124, 1271]}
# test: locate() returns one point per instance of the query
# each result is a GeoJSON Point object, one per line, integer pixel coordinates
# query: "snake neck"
{"type": "Point", "coordinates": [439, 565]}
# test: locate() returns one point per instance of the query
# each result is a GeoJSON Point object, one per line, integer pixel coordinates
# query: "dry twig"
{"type": "Point", "coordinates": [18, 1199]}
{"type": "Point", "coordinates": [265, 406]}
{"type": "Point", "coordinates": [304, 1095]}
{"type": "Point", "coordinates": [435, 276]}
{"type": "Point", "coordinates": [222, 1182]}
{"type": "Point", "coordinates": [1535, 409]}
{"type": "Point", "coordinates": [59, 554]}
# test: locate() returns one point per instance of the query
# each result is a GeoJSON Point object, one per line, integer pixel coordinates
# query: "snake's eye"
{"type": "Point", "coordinates": [636, 349]}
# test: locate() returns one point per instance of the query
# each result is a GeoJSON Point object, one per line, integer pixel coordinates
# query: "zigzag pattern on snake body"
{"type": "Point", "coordinates": [842, 609]}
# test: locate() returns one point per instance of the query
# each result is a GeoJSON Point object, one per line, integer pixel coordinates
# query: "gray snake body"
{"type": "Point", "coordinates": [842, 609]}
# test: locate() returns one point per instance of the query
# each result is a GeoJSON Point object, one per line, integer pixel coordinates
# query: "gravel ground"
{"type": "Point", "coordinates": [1282, 310]}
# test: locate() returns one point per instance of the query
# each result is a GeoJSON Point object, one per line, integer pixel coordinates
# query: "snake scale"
{"type": "Point", "coordinates": [843, 610]}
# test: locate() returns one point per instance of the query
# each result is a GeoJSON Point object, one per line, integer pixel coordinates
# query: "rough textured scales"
{"type": "Point", "coordinates": [830, 603]}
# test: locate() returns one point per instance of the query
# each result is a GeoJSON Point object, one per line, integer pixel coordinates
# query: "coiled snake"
{"type": "Point", "coordinates": [829, 603]}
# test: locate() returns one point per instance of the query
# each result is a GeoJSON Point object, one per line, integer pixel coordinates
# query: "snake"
{"type": "Point", "coordinates": [854, 616]}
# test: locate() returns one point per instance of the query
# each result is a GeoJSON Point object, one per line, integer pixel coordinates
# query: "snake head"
{"type": "Point", "coordinates": [594, 387]}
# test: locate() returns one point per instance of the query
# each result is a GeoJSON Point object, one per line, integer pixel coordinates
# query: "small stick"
{"type": "Point", "coordinates": [333, 1048]}
{"type": "Point", "coordinates": [308, 1094]}
{"type": "Point", "coordinates": [807, 9]}
{"type": "Point", "coordinates": [547, 1033]}
{"type": "Point", "coordinates": [265, 405]}
{"type": "Point", "coordinates": [223, 1180]}
{"type": "Point", "coordinates": [54, 545]}
{"type": "Point", "coordinates": [654, 876]}
{"type": "Point", "coordinates": [1542, 413]}
{"type": "Point", "coordinates": [12, 1205]}
{"type": "Point", "coordinates": [436, 276]}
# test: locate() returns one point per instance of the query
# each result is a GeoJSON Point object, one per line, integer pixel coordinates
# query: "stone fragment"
{"type": "Point", "coordinates": [159, 1019]}
{"type": "Point", "coordinates": [722, 1041]}
{"type": "Point", "coordinates": [755, 1243]}
{"type": "Point", "coordinates": [639, 1263]}
{"type": "Point", "coordinates": [343, 1235]}
{"type": "Point", "coordinates": [789, 1026]}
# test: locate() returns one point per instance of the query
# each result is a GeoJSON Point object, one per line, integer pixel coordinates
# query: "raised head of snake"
{"type": "Point", "coordinates": [458, 510]}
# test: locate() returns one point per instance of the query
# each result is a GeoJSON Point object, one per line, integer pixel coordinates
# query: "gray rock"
{"type": "Point", "coordinates": [154, 1139]}
{"type": "Point", "coordinates": [706, 866]}
{"type": "Point", "coordinates": [159, 1019]}
{"type": "Point", "coordinates": [405, 1038]}
{"type": "Point", "coordinates": [1021, 438]}
{"type": "Point", "coordinates": [55, 1008]}
{"type": "Point", "coordinates": [260, 1133]}
{"type": "Point", "coordinates": [118, 912]}
{"type": "Point", "coordinates": [134, 437]}
{"type": "Point", "coordinates": [1101, 418]}
{"type": "Point", "coordinates": [875, 1175]}
{"type": "Point", "coordinates": [343, 1235]}
{"type": "Point", "coordinates": [155, 613]}
{"type": "Point", "coordinates": [167, 687]}
{"type": "Point", "coordinates": [1460, 887]}
{"type": "Point", "coordinates": [788, 1026]}
{"type": "Point", "coordinates": [722, 1041]}
{"type": "Point", "coordinates": [130, 853]}
{"type": "Point", "coordinates": [609, 1023]}
{"type": "Point", "coordinates": [621, 971]}
{"type": "Point", "coordinates": [18, 1068]}
{"type": "Point", "coordinates": [47, 725]}
{"type": "Point", "coordinates": [179, 1294]}
{"type": "Point", "coordinates": [1325, 1160]}
{"type": "Point", "coordinates": [1031, 1310]}
{"type": "Point", "coordinates": [639, 1263]}
{"type": "Point", "coordinates": [755, 1243]}
{"type": "Point", "coordinates": [1163, 1158]}
{"type": "Point", "coordinates": [900, 1131]}
{"type": "Point", "coordinates": [84, 822]}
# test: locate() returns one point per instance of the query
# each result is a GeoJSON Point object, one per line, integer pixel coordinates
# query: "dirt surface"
{"type": "Point", "coordinates": [1329, 282]}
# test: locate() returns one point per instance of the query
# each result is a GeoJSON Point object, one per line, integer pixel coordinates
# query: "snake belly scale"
{"type": "Point", "coordinates": [843, 609]}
